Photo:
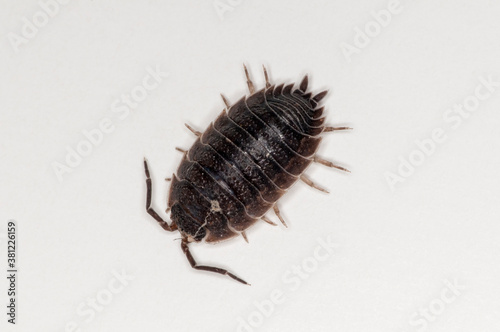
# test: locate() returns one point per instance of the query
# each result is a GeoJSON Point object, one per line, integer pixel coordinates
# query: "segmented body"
{"type": "Point", "coordinates": [244, 162]}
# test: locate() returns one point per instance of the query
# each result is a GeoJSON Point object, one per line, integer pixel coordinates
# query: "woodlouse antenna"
{"type": "Point", "coordinates": [194, 265]}
{"type": "Point", "coordinates": [329, 164]}
{"type": "Point", "coordinates": [149, 209]}
{"type": "Point", "coordinates": [251, 88]}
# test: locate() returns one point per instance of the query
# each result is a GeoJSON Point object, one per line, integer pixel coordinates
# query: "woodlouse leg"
{"type": "Point", "coordinates": [329, 164]}
{"type": "Point", "coordinates": [268, 85]}
{"type": "Point", "coordinates": [196, 132]}
{"type": "Point", "coordinates": [269, 221]}
{"type": "Point", "coordinates": [278, 214]}
{"type": "Point", "coordinates": [309, 182]}
{"type": "Point", "coordinates": [168, 180]}
{"type": "Point", "coordinates": [327, 129]}
{"type": "Point", "coordinates": [251, 88]}
{"type": "Point", "coordinates": [149, 209]}
{"type": "Point", "coordinates": [181, 150]}
{"type": "Point", "coordinates": [244, 234]}
{"type": "Point", "coordinates": [185, 249]}
{"type": "Point", "coordinates": [225, 101]}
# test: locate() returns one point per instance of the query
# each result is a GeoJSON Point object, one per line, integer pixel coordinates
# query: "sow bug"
{"type": "Point", "coordinates": [242, 164]}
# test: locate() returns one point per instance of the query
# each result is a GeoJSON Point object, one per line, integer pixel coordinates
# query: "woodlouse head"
{"type": "Point", "coordinates": [186, 225]}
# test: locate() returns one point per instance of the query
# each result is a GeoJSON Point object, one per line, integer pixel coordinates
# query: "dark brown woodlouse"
{"type": "Point", "coordinates": [242, 164]}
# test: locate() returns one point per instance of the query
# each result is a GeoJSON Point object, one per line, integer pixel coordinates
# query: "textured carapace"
{"type": "Point", "coordinates": [243, 163]}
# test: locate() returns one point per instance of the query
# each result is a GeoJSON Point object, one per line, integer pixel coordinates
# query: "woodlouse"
{"type": "Point", "coordinates": [241, 165]}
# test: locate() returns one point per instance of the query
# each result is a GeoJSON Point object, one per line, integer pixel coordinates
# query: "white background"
{"type": "Point", "coordinates": [396, 248]}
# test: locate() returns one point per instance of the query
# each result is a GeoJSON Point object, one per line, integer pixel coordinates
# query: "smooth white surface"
{"type": "Point", "coordinates": [395, 248]}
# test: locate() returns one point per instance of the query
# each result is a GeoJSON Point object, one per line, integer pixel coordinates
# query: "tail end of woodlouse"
{"type": "Point", "coordinates": [320, 96]}
{"type": "Point", "coordinates": [303, 84]}
{"type": "Point", "coordinates": [278, 89]}
{"type": "Point", "coordinates": [287, 90]}
{"type": "Point", "coordinates": [317, 112]}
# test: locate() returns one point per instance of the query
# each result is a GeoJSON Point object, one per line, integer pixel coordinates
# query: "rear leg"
{"type": "Point", "coordinates": [267, 220]}
{"type": "Point", "coordinates": [310, 183]}
{"type": "Point", "coordinates": [149, 209]}
{"type": "Point", "coordinates": [196, 132]}
{"type": "Point", "coordinates": [278, 214]}
{"type": "Point", "coordinates": [244, 234]}
{"type": "Point", "coordinates": [226, 102]}
{"type": "Point", "coordinates": [194, 265]}
{"type": "Point", "coordinates": [251, 88]}
{"type": "Point", "coordinates": [268, 85]}
{"type": "Point", "coordinates": [181, 150]}
{"type": "Point", "coordinates": [327, 129]}
{"type": "Point", "coordinates": [329, 164]}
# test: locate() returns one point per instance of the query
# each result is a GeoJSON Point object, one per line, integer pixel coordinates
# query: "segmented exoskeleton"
{"type": "Point", "coordinates": [243, 163]}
